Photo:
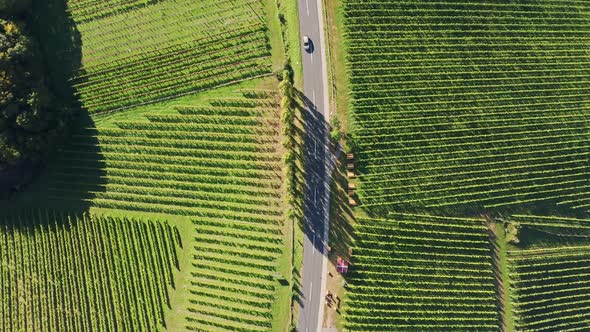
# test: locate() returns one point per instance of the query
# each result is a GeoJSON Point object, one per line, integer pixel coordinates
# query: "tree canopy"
{"type": "Point", "coordinates": [31, 119]}
{"type": "Point", "coordinates": [14, 6]}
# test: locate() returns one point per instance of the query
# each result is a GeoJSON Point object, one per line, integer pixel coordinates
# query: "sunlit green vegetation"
{"type": "Point", "coordinates": [217, 164]}
{"type": "Point", "coordinates": [137, 52]}
{"type": "Point", "coordinates": [82, 273]}
{"type": "Point", "coordinates": [419, 272]}
{"type": "Point", "coordinates": [180, 124]}
{"type": "Point", "coordinates": [468, 109]}
{"type": "Point", "coordinates": [549, 276]}
{"type": "Point", "coordinates": [470, 105]}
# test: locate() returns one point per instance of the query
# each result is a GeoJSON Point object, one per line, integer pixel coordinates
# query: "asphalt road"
{"type": "Point", "coordinates": [317, 160]}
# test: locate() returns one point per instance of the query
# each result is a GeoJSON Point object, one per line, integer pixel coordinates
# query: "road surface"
{"type": "Point", "coordinates": [317, 160]}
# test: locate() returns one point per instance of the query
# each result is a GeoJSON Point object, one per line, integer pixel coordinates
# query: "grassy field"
{"type": "Point", "coordinates": [181, 126]}
{"type": "Point", "coordinates": [463, 110]}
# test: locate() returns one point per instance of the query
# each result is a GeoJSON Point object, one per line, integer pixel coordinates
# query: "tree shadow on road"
{"type": "Point", "coordinates": [325, 188]}
{"type": "Point", "coordinates": [311, 206]}
{"type": "Point", "coordinates": [315, 150]}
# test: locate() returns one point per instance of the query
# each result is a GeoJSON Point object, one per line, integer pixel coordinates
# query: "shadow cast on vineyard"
{"type": "Point", "coordinates": [77, 174]}
{"type": "Point", "coordinates": [74, 174]}
{"type": "Point", "coordinates": [341, 215]}
{"type": "Point", "coordinates": [31, 220]}
{"type": "Point", "coordinates": [61, 44]}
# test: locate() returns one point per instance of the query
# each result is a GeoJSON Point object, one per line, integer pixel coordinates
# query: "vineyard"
{"type": "Point", "coordinates": [551, 282]}
{"type": "Point", "coordinates": [215, 161]}
{"type": "Point", "coordinates": [219, 165]}
{"type": "Point", "coordinates": [163, 49]}
{"type": "Point", "coordinates": [84, 273]}
{"type": "Point", "coordinates": [180, 124]}
{"type": "Point", "coordinates": [172, 205]}
{"type": "Point", "coordinates": [480, 111]}
{"type": "Point", "coordinates": [469, 105]}
{"type": "Point", "coordinates": [418, 273]}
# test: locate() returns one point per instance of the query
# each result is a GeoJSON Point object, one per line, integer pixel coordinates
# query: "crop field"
{"type": "Point", "coordinates": [217, 164]}
{"type": "Point", "coordinates": [84, 273]}
{"type": "Point", "coordinates": [419, 272]}
{"type": "Point", "coordinates": [180, 124]}
{"type": "Point", "coordinates": [551, 283]}
{"type": "Point", "coordinates": [232, 283]}
{"type": "Point", "coordinates": [468, 110]}
{"type": "Point", "coordinates": [218, 161]}
{"type": "Point", "coordinates": [163, 49]}
{"type": "Point", "coordinates": [469, 105]}
{"type": "Point", "coordinates": [173, 205]}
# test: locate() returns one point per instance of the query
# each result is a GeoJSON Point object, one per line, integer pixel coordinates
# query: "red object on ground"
{"type": "Point", "coordinates": [341, 265]}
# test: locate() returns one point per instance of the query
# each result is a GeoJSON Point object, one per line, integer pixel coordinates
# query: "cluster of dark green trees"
{"type": "Point", "coordinates": [14, 6]}
{"type": "Point", "coordinates": [32, 120]}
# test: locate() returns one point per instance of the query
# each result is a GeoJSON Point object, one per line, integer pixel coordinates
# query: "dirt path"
{"type": "Point", "coordinates": [499, 265]}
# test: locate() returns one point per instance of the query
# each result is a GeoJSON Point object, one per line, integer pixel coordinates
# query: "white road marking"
{"type": "Point", "coordinates": [315, 152]}
{"type": "Point", "coordinates": [315, 197]}
{"type": "Point", "coordinates": [308, 319]}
